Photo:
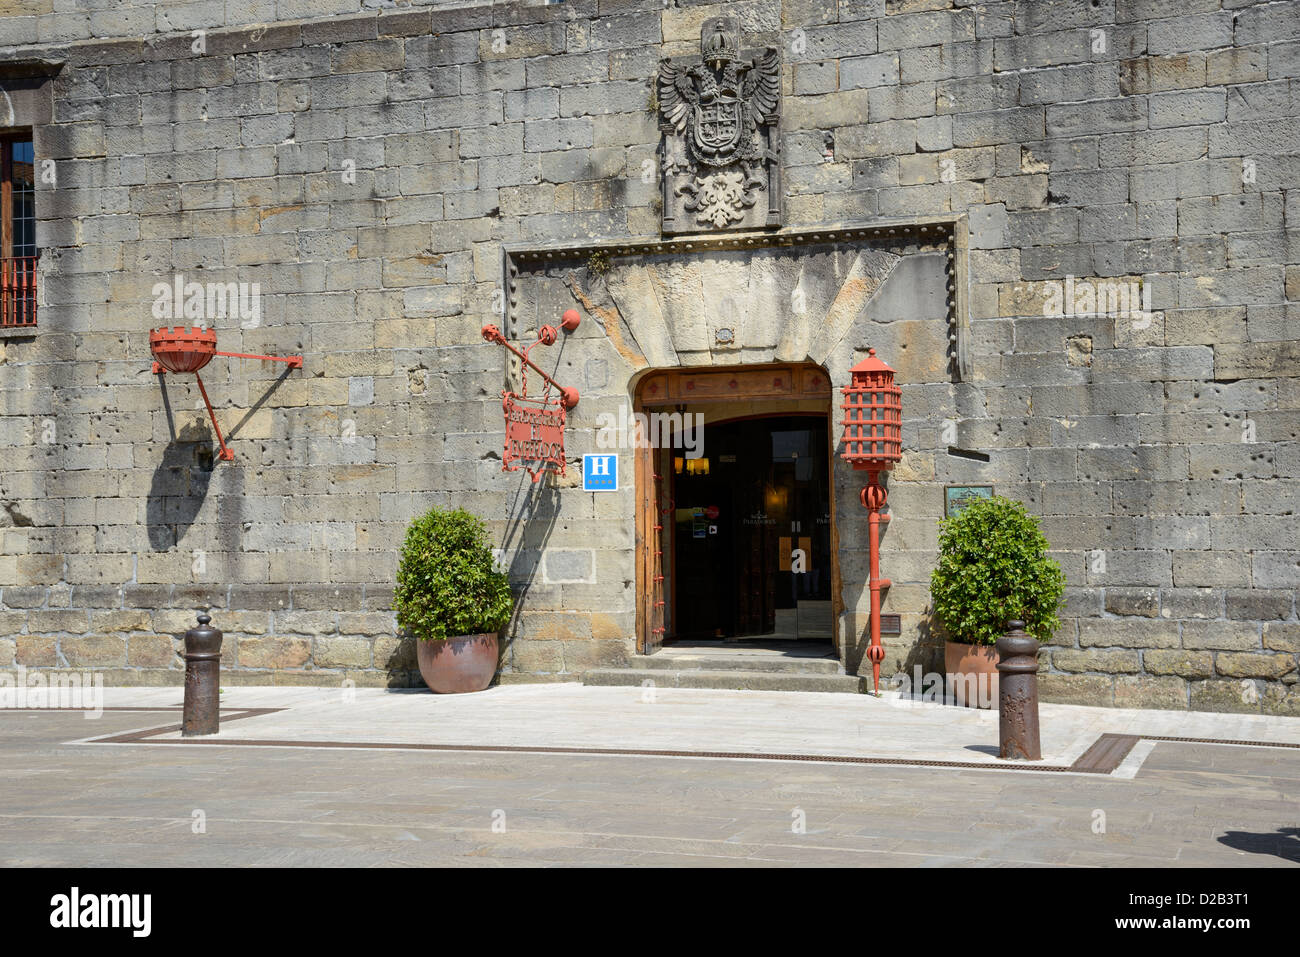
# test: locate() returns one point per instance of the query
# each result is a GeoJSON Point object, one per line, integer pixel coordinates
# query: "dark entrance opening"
{"type": "Point", "coordinates": [751, 533]}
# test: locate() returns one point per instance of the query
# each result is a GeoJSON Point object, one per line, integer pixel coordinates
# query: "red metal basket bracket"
{"type": "Point", "coordinates": [188, 350]}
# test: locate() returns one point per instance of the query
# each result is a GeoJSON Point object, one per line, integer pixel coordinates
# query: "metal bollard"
{"type": "Point", "coordinates": [1018, 695]}
{"type": "Point", "coordinates": [202, 684]}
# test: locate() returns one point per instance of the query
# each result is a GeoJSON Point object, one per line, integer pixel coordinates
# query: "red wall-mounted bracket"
{"type": "Point", "coordinates": [546, 336]}
{"type": "Point", "coordinates": [535, 424]}
{"type": "Point", "coordinates": [188, 350]}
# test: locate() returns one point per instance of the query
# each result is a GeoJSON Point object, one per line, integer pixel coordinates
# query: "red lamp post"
{"type": "Point", "coordinates": [873, 441]}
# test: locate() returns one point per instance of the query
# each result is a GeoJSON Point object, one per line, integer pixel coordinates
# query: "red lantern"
{"type": "Point", "coordinates": [873, 416]}
{"type": "Point", "coordinates": [873, 441]}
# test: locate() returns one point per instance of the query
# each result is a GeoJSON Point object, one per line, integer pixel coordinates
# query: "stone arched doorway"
{"type": "Point", "coordinates": [709, 310]}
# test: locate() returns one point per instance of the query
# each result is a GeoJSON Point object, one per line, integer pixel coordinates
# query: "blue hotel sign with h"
{"type": "Point", "coordinates": [600, 473]}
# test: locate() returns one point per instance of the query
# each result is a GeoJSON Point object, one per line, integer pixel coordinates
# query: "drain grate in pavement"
{"type": "Point", "coordinates": [1240, 744]}
{"type": "Point", "coordinates": [1106, 753]}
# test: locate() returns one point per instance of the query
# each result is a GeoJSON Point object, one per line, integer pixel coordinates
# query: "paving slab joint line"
{"type": "Point", "coordinates": [137, 735]}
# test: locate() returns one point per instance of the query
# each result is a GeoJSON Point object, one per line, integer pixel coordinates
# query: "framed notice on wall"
{"type": "Point", "coordinates": [957, 497]}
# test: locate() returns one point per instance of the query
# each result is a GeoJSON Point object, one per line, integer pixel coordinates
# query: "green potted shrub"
{"type": "Point", "coordinates": [452, 599]}
{"type": "Point", "coordinates": [993, 567]}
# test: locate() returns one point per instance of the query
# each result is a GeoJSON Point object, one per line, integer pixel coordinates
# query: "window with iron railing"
{"type": "Point", "coordinates": [18, 252]}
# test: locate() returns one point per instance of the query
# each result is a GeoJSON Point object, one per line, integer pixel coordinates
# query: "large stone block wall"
{"type": "Point", "coordinates": [365, 169]}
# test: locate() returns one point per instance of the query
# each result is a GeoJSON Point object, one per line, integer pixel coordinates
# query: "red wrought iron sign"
{"type": "Point", "coordinates": [535, 424]}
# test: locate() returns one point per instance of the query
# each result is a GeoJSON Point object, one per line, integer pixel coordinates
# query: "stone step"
{"type": "Point", "coordinates": [736, 661]}
{"type": "Point", "coordinates": [728, 680]}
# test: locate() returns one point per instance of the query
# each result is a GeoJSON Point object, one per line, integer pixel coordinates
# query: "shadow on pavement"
{"type": "Point", "coordinates": [1285, 843]}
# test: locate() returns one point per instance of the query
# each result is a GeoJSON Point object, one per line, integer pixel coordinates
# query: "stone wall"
{"type": "Point", "coordinates": [365, 170]}
{"type": "Point", "coordinates": [29, 22]}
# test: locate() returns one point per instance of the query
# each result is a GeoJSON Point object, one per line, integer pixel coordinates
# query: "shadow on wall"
{"type": "Point", "coordinates": [533, 514]}
{"type": "Point", "coordinates": [926, 651]}
{"type": "Point", "coordinates": [399, 660]}
{"type": "Point", "coordinates": [180, 482]}
{"type": "Point", "coordinates": [533, 510]}
{"type": "Point", "coordinates": [927, 648]}
{"type": "Point", "coordinates": [402, 664]}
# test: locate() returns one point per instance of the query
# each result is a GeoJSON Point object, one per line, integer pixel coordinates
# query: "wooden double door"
{"type": "Point", "coordinates": [738, 538]}
{"type": "Point", "coordinates": [751, 533]}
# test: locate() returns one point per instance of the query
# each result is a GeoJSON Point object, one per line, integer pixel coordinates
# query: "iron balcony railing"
{"type": "Point", "coordinates": [18, 291]}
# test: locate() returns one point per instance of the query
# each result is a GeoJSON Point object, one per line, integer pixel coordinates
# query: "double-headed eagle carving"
{"type": "Point", "coordinates": [716, 106]}
{"type": "Point", "coordinates": [718, 103]}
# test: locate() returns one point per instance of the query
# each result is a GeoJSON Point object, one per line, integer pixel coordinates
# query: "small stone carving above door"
{"type": "Point", "coordinates": [720, 115]}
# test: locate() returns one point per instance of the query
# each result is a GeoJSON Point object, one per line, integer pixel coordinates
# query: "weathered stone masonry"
{"type": "Point", "coordinates": [367, 169]}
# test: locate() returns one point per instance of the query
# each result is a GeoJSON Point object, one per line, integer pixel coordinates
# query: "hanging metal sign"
{"type": "Point", "coordinates": [535, 424]}
{"type": "Point", "coordinates": [534, 434]}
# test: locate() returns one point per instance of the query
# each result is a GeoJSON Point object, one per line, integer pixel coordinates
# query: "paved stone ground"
{"type": "Point", "coordinates": [78, 805]}
{"type": "Point", "coordinates": [688, 719]}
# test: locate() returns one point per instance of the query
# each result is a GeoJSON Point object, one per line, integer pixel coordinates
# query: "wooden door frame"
{"type": "Point", "coordinates": [7, 193]}
{"type": "Point", "coordinates": [7, 139]}
{"type": "Point", "coordinates": [656, 389]}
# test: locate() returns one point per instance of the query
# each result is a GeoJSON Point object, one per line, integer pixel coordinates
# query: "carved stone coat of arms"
{"type": "Point", "coordinates": [720, 116]}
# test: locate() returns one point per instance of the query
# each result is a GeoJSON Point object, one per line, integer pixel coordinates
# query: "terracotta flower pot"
{"type": "Point", "coordinates": [972, 674]}
{"type": "Point", "coordinates": [457, 665]}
